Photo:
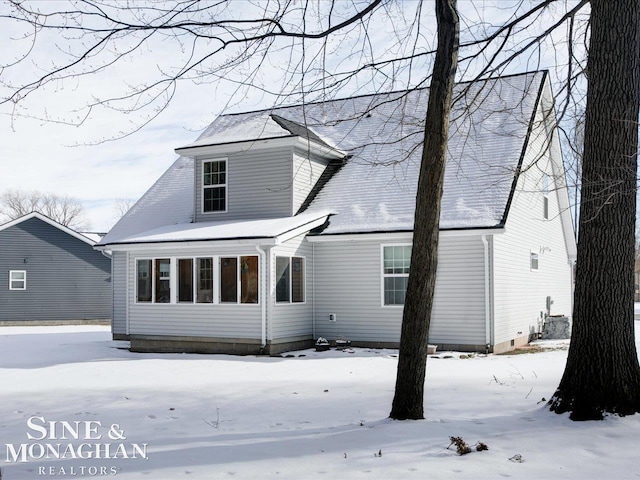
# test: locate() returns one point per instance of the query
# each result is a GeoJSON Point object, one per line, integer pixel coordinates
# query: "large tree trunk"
{"type": "Point", "coordinates": [602, 372]}
{"type": "Point", "coordinates": [412, 361]}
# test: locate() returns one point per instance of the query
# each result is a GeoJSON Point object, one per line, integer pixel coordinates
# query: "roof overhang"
{"type": "Point", "coordinates": [267, 232]}
{"type": "Point", "coordinates": [201, 148]}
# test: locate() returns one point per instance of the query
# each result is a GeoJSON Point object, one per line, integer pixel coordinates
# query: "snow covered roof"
{"type": "Point", "coordinates": [381, 135]}
{"type": "Point", "coordinates": [264, 231]}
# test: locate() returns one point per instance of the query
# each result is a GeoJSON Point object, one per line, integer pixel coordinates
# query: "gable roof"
{"type": "Point", "coordinates": [381, 135]}
{"type": "Point", "coordinates": [51, 222]}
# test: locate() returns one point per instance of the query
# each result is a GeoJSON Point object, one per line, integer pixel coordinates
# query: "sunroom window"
{"type": "Point", "coordinates": [244, 268]}
{"type": "Point", "coordinates": [163, 280]}
{"type": "Point", "coordinates": [185, 280]}
{"type": "Point", "coordinates": [289, 279]}
{"type": "Point", "coordinates": [144, 280]}
{"type": "Point", "coordinates": [204, 280]}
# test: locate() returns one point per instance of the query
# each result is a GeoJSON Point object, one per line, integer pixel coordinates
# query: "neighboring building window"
{"type": "Point", "coordinates": [17, 280]}
{"type": "Point", "coordinates": [185, 280]}
{"type": "Point", "coordinates": [245, 268]}
{"type": "Point", "coordinates": [214, 186]}
{"type": "Point", "coordinates": [289, 279]}
{"type": "Point", "coordinates": [545, 196]}
{"type": "Point", "coordinates": [534, 261]}
{"type": "Point", "coordinates": [163, 280]}
{"type": "Point", "coordinates": [204, 280]}
{"type": "Point", "coordinates": [144, 280]}
{"type": "Point", "coordinates": [395, 273]}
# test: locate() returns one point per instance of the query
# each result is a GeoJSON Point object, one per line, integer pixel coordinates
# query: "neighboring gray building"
{"type": "Point", "coordinates": [51, 273]}
{"type": "Point", "coordinates": [278, 227]}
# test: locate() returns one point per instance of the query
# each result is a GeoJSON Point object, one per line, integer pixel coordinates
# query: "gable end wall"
{"type": "Point", "coordinates": [67, 279]}
{"type": "Point", "coordinates": [520, 293]}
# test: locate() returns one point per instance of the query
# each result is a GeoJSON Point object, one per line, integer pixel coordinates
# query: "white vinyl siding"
{"type": "Point", "coordinates": [306, 172]}
{"type": "Point", "coordinates": [295, 319]}
{"type": "Point", "coordinates": [520, 291]}
{"type": "Point", "coordinates": [347, 284]}
{"type": "Point", "coordinates": [258, 185]}
{"type": "Point", "coordinates": [119, 283]}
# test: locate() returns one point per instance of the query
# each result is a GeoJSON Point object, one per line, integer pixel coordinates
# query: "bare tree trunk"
{"type": "Point", "coordinates": [602, 372]}
{"type": "Point", "coordinates": [412, 362]}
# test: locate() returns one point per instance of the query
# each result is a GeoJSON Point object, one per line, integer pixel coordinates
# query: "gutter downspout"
{"type": "Point", "coordinates": [313, 291]}
{"type": "Point", "coordinates": [487, 294]}
{"type": "Point", "coordinates": [263, 300]}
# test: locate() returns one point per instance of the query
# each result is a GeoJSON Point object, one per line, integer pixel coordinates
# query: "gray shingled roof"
{"type": "Point", "coordinates": [381, 134]}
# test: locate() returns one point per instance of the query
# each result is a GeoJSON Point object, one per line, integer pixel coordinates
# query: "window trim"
{"type": "Point", "coordinates": [216, 284]}
{"type": "Point", "coordinates": [238, 280]}
{"type": "Point", "coordinates": [23, 280]}
{"type": "Point", "coordinates": [225, 185]}
{"type": "Point", "coordinates": [304, 280]}
{"type": "Point", "coordinates": [537, 258]}
{"type": "Point", "coordinates": [151, 276]}
{"type": "Point", "coordinates": [385, 275]}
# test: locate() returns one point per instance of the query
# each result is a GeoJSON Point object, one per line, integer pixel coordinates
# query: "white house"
{"type": "Point", "coordinates": [280, 226]}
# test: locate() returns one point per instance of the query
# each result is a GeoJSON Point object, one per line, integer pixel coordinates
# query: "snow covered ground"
{"type": "Point", "coordinates": [313, 415]}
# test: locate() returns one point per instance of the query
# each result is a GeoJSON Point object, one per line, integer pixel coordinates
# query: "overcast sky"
{"type": "Point", "coordinates": [70, 160]}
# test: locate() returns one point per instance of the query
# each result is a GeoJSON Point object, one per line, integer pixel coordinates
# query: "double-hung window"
{"type": "Point", "coordinates": [396, 260]}
{"type": "Point", "coordinates": [214, 186]}
{"type": "Point", "coordinates": [289, 279]}
{"type": "Point", "coordinates": [17, 280]}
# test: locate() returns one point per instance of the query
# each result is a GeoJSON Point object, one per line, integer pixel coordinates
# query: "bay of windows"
{"type": "Point", "coordinates": [237, 280]}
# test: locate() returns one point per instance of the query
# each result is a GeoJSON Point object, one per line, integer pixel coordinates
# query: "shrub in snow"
{"type": "Point", "coordinates": [462, 448]}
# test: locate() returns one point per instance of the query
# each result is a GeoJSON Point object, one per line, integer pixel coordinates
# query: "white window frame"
{"type": "Point", "coordinates": [386, 275]}
{"type": "Point", "coordinates": [172, 280]}
{"type": "Point", "coordinates": [153, 280]}
{"type": "Point", "coordinates": [533, 255]}
{"type": "Point", "coordinates": [217, 287]}
{"type": "Point", "coordinates": [238, 279]}
{"type": "Point", "coordinates": [304, 280]}
{"type": "Point", "coordinates": [23, 280]}
{"type": "Point", "coordinates": [193, 280]}
{"type": "Point", "coordinates": [225, 185]}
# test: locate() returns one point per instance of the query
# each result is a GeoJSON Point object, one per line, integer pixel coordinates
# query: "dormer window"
{"type": "Point", "coordinates": [214, 186]}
